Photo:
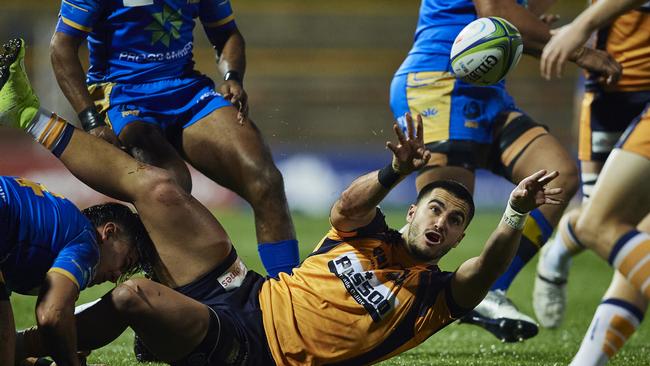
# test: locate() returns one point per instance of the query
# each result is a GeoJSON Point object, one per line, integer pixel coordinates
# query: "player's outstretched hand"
{"type": "Point", "coordinates": [409, 154]}
{"type": "Point", "coordinates": [234, 92]}
{"type": "Point", "coordinates": [532, 192]}
{"type": "Point", "coordinates": [567, 45]}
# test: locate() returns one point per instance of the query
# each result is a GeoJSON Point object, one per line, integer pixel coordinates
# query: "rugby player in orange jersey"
{"type": "Point", "coordinates": [365, 294]}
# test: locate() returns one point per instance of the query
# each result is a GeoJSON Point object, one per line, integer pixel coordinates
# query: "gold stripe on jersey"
{"type": "Point", "coordinates": [220, 22]}
{"type": "Point", "coordinates": [76, 25]}
{"type": "Point", "coordinates": [357, 299]}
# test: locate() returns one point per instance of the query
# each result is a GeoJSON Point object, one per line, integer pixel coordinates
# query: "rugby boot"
{"type": "Point", "coordinates": [18, 102]}
{"type": "Point", "coordinates": [549, 293]}
{"type": "Point", "coordinates": [499, 316]}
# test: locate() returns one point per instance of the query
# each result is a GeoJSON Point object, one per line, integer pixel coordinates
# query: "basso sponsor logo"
{"type": "Point", "coordinates": [363, 286]}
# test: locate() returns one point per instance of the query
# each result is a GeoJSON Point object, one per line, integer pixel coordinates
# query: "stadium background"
{"type": "Point", "coordinates": [318, 80]}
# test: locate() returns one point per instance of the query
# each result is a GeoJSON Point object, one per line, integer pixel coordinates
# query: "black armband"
{"type": "Point", "coordinates": [233, 75]}
{"type": "Point", "coordinates": [388, 177]}
{"type": "Point", "coordinates": [4, 293]}
{"type": "Point", "coordinates": [91, 119]}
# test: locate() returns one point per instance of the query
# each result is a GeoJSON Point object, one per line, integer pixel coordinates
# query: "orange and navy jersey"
{"type": "Point", "coordinates": [357, 299]}
{"type": "Point", "coordinates": [627, 39]}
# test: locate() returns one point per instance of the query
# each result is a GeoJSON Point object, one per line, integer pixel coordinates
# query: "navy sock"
{"type": "Point", "coordinates": [281, 256]}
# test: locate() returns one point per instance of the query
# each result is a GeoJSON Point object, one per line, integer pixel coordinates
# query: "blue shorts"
{"type": "Point", "coordinates": [451, 109]}
{"type": "Point", "coordinates": [166, 103]}
{"type": "Point", "coordinates": [236, 334]}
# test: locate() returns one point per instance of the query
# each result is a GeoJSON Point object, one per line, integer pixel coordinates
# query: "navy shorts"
{"type": "Point", "coordinates": [236, 333]}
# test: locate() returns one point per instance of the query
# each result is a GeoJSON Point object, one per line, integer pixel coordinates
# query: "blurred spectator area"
{"type": "Point", "coordinates": [318, 73]}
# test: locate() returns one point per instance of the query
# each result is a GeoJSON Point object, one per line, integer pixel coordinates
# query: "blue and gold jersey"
{"type": "Point", "coordinates": [357, 299]}
{"type": "Point", "coordinates": [136, 41]}
{"type": "Point", "coordinates": [439, 23]}
{"type": "Point", "coordinates": [40, 232]}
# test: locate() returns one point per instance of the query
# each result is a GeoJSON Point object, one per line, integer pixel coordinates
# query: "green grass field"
{"type": "Point", "coordinates": [455, 345]}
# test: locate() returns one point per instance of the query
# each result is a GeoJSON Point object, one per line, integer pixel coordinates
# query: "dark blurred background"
{"type": "Point", "coordinates": [318, 81]}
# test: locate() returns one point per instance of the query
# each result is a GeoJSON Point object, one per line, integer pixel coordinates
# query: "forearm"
{"type": "Point", "coordinates": [64, 54]}
{"type": "Point", "coordinates": [603, 12]}
{"type": "Point", "coordinates": [539, 7]}
{"type": "Point", "coordinates": [534, 32]}
{"type": "Point", "coordinates": [60, 337]}
{"type": "Point", "coordinates": [231, 56]}
{"type": "Point", "coordinates": [29, 343]}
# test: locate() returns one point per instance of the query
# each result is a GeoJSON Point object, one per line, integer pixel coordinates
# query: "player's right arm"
{"type": "Point", "coordinates": [475, 276]}
{"type": "Point", "coordinates": [357, 205]}
{"type": "Point", "coordinates": [7, 326]}
{"type": "Point", "coordinates": [76, 20]}
{"type": "Point", "coordinates": [536, 33]}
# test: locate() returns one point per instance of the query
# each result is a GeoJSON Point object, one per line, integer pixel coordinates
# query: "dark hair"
{"type": "Point", "coordinates": [132, 226]}
{"type": "Point", "coordinates": [456, 188]}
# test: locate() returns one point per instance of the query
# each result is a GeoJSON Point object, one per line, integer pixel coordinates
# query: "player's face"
{"type": "Point", "coordinates": [117, 256]}
{"type": "Point", "coordinates": [436, 225]}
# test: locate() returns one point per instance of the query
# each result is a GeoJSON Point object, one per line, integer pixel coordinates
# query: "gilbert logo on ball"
{"type": "Point", "coordinates": [486, 50]}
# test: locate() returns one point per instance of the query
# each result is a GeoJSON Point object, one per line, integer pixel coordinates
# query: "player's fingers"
{"type": "Point", "coordinates": [392, 147]}
{"type": "Point", "coordinates": [535, 176]}
{"type": "Point", "coordinates": [420, 129]}
{"type": "Point", "coordinates": [553, 201]}
{"type": "Point", "coordinates": [399, 133]}
{"type": "Point", "coordinates": [552, 191]}
{"type": "Point", "coordinates": [548, 177]}
{"type": "Point", "coordinates": [409, 127]}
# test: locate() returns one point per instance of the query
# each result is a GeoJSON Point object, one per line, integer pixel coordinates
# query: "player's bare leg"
{"type": "Point", "coordinates": [234, 155]}
{"type": "Point", "coordinates": [146, 142]}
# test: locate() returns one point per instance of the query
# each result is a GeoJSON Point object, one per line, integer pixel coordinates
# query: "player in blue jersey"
{"type": "Point", "coordinates": [142, 83]}
{"type": "Point", "coordinates": [469, 127]}
{"type": "Point", "coordinates": [51, 249]}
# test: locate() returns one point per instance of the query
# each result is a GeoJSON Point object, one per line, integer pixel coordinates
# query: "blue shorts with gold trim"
{"type": "Point", "coordinates": [178, 102]}
{"type": "Point", "coordinates": [451, 109]}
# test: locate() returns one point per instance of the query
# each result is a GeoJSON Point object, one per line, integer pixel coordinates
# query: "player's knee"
{"type": "Point", "coordinates": [267, 185]}
{"type": "Point", "coordinates": [163, 187]}
{"type": "Point", "coordinates": [129, 298]}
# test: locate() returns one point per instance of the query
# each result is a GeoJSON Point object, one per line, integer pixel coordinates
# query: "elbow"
{"type": "Point", "coordinates": [49, 317]}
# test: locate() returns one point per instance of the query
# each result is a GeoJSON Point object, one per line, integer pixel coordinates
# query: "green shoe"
{"type": "Point", "coordinates": [18, 103]}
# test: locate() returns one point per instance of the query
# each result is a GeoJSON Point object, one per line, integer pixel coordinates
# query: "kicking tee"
{"type": "Point", "coordinates": [357, 299]}
{"type": "Point", "coordinates": [40, 232]}
{"type": "Point", "coordinates": [138, 41]}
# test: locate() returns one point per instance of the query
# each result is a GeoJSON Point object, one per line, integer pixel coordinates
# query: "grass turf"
{"type": "Point", "coordinates": [456, 344]}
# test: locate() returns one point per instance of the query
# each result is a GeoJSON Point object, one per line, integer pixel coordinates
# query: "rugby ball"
{"type": "Point", "coordinates": [486, 50]}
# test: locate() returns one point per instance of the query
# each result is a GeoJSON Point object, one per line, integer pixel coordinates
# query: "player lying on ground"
{"type": "Point", "coordinates": [51, 249]}
{"type": "Point", "coordinates": [614, 222]}
{"type": "Point", "coordinates": [468, 127]}
{"type": "Point", "coordinates": [365, 294]}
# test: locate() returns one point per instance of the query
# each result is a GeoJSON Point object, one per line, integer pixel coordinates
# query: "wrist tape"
{"type": "Point", "coordinates": [513, 218]}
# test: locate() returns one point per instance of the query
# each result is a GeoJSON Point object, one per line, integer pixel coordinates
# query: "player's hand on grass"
{"type": "Point", "coordinates": [233, 91]}
{"type": "Point", "coordinates": [106, 133]}
{"type": "Point", "coordinates": [409, 154]}
{"type": "Point", "coordinates": [567, 45]}
{"type": "Point", "coordinates": [533, 192]}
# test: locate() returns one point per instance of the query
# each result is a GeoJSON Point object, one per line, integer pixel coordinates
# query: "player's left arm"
{"type": "Point", "coordinates": [7, 326]}
{"type": "Point", "coordinates": [55, 317]}
{"type": "Point", "coordinates": [357, 205]}
{"type": "Point", "coordinates": [539, 7]}
{"type": "Point", "coordinates": [220, 27]}
{"type": "Point", "coordinates": [475, 276]}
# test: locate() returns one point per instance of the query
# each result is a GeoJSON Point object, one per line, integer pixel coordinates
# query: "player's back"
{"type": "Point", "coordinates": [439, 23]}
{"type": "Point", "coordinates": [35, 226]}
{"type": "Point", "coordinates": [627, 39]}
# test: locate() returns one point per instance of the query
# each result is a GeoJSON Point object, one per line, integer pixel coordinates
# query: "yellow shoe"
{"type": "Point", "coordinates": [18, 102]}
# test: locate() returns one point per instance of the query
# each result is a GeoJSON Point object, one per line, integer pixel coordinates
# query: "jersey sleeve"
{"type": "Point", "coordinates": [216, 15]}
{"type": "Point", "coordinates": [78, 259]}
{"type": "Point", "coordinates": [376, 226]}
{"type": "Point", "coordinates": [77, 17]}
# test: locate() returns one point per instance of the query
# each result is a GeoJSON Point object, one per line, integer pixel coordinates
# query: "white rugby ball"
{"type": "Point", "coordinates": [486, 50]}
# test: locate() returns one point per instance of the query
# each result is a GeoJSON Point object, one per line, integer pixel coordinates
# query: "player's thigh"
{"type": "Point", "coordinates": [170, 324]}
{"type": "Point", "coordinates": [226, 150]}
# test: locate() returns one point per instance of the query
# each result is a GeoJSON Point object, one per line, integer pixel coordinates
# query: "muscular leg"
{"type": "Point", "coordinates": [235, 156]}
{"type": "Point", "coordinates": [147, 144]}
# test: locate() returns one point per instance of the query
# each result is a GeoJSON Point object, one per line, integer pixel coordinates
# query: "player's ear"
{"type": "Point", "coordinates": [108, 230]}
{"type": "Point", "coordinates": [410, 214]}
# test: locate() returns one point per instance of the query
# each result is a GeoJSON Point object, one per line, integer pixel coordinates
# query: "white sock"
{"type": "Point", "coordinates": [557, 258]}
{"type": "Point", "coordinates": [613, 323]}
